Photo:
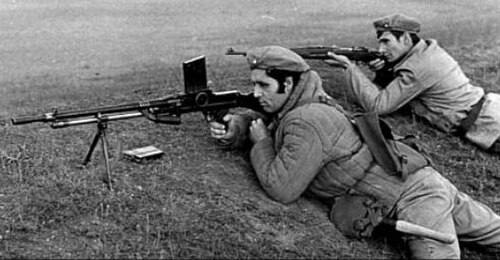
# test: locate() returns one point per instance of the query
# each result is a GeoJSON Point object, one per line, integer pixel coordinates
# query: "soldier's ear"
{"type": "Point", "coordinates": [407, 39]}
{"type": "Point", "coordinates": [288, 84]}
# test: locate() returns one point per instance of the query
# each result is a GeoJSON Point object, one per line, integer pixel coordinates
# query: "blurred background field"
{"type": "Point", "coordinates": [84, 37]}
{"type": "Point", "coordinates": [54, 50]}
{"type": "Point", "coordinates": [198, 200]}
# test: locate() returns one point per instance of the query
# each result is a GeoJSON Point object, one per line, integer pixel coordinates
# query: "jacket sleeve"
{"type": "Point", "coordinates": [285, 174]}
{"type": "Point", "coordinates": [401, 90]}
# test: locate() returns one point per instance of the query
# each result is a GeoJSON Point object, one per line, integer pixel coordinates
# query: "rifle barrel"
{"type": "Point", "coordinates": [362, 54]}
{"type": "Point", "coordinates": [355, 53]}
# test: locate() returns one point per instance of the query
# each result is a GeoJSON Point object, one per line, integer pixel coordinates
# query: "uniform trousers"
{"type": "Point", "coordinates": [430, 200]}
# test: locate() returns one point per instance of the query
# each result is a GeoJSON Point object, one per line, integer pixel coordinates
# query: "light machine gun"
{"type": "Point", "coordinates": [361, 54]}
{"type": "Point", "coordinates": [168, 110]}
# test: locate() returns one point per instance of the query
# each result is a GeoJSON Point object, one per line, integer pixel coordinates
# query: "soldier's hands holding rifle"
{"type": "Point", "coordinates": [344, 62]}
{"type": "Point", "coordinates": [336, 60]}
{"type": "Point", "coordinates": [376, 64]}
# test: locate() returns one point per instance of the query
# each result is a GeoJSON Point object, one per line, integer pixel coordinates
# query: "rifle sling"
{"type": "Point", "coordinates": [369, 127]}
{"type": "Point", "coordinates": [396, 157]}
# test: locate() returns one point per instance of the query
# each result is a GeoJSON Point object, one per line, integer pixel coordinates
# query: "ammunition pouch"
{"type": "Point", "coordinates": [356, 216]}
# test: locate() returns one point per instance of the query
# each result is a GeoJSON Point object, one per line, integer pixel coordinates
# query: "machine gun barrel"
{"type": "Point", "coordinates": [94, 120]}
{"type": "Point", "coordinates": [168, 110]}
{"type": "Point", "coordinates": [59, 115]}
{"type": "Point", "coordinates": [205, 101]}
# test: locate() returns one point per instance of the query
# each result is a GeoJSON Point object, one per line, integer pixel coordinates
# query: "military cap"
{"type": "Point", "coordinates": [276, 57]}
{"type": "Point", "coordinates": [397, 22]}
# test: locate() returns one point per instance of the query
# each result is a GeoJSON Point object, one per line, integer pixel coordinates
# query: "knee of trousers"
{"type": "Point", "coordinates": [495, 148]}
{"type": "Point", "coordinates": [425, 248]}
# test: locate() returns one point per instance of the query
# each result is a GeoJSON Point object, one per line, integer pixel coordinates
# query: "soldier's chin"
{"type": "Point", "coordinates": [267, 109]}
{"type": "Point", "coordinates": [390, 59]}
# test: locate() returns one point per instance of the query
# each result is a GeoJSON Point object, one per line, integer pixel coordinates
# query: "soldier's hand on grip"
{"type": "Point", "coordinates": [224, 133]}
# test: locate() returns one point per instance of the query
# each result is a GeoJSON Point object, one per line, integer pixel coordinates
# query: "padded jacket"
{"type": "Point", "coordinates": [316, 149]}
{"type": "Point", "coordinates": [432, 83]}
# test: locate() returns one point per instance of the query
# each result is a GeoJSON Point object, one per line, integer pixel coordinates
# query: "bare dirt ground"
{"type": "Point", "coordinates": [198, 200]}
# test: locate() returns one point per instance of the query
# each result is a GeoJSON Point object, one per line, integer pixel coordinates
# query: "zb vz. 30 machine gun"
{"type": "Point", "coordinates": [361, 54]}
{"type": "Point", "coordinates": [168, 110]}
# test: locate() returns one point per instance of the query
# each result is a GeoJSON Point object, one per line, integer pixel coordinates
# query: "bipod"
{"type": "Point", "coordinates": [102, 125]}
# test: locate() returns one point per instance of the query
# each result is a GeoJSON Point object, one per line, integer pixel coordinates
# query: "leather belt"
{"type": "Point", "coordinates": [467, 122]}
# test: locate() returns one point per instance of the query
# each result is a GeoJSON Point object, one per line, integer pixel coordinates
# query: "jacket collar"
{"type": "Point", "coordinates": [420, 46]}
{"type": "Point", "coordinates": [308, 89]}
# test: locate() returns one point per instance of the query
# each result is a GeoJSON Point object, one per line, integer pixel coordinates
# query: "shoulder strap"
{"type": "Point", "coordinates": [370, 127]}
{"type": "Point", "coordinates": [395, 157]}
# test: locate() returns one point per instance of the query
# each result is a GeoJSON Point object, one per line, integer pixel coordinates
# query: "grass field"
{"type": "Point", "coordinates": [198, 200]}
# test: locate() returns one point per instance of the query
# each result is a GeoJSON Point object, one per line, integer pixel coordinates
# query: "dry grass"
{"type": "Point", "coordinates": [198, 200]}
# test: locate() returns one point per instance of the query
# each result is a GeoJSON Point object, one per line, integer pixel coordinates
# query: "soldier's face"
{"type": "Point", "coordinates": [393, 47]}
{"type": "Point", "coordinates": [265, 89]}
